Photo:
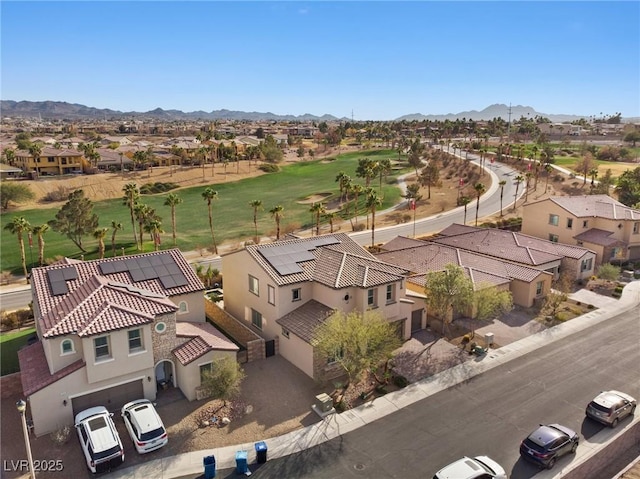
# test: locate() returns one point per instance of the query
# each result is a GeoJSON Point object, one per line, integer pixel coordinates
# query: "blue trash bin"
{"type": "Point", "coordinates": [241, 462]}
{"type": "Point", "coordinates": [261, 452]}
{"type": "Point", "coordinates": [209, 463]}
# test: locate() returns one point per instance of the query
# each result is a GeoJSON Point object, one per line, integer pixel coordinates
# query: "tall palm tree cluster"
{"type": "Point", "coordinates": [144, 217]}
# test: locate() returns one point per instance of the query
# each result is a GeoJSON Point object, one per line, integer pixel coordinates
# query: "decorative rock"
{"type": "Point", "coordinates": [225, 420]}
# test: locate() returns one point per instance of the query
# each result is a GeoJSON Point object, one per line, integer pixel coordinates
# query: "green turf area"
{"type": "Point", "coordinates": [9, 345]}
{"type": "Point", "coordinates": [232, 215]}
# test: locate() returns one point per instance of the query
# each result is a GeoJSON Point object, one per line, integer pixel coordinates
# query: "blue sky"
{"type": "Point", "coordinates": [380, 60]}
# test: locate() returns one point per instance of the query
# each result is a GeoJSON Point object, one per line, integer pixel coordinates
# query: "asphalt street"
{"type": "Point", "coordinates": [488, 415]}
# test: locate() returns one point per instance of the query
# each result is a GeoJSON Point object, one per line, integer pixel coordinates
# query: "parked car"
{"type": "Point", "coordinates": [548, 443]}
{"type": "Point", "coordinates": [609, 407]}
{"type": "Point", "coordinates": [144, 425]}
{"type": "Point", "coordinates": [480, 467]}
{"type": "Point", "coordinates": [99, 439]}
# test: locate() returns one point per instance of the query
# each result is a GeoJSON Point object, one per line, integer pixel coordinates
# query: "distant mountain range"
{"type": "Point", "coordinates": [51, 110]}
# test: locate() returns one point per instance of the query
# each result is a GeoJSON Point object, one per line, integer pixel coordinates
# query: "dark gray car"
{"type": "Point", "coordinates": [548, 443]}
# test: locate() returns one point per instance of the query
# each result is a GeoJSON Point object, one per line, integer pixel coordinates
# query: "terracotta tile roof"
{"type": "Point", "coordinates": [434, 257]}
{"type": "Point", "coordinates": [598, 236]}
{"type": "Point", "coordinates": [204, 338]}
{"type": "Point", "coordinates": [600, 206]}
{"type": "Point", "coordinates": [304, 320]}
{"type": "Point", "coordinates": [94, 291]}
{"type": "Point", "coordinates": [34, 369]}
{"type": "Point", "coordinates": [401, 242]}
{"type": "Point", "coordinates": [340, 263]}
{"type": "Point", "coordinates": [511, 246]}
{"type": "Point", "coordinates": [98, 306]}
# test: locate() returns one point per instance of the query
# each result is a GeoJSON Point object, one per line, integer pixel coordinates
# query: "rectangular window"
{"type": "Point", "coordinates": [285, 333]}
{"type": "Point", "coordinates": [616, 253]}
{"type": "Point", "coordinates": [636, 228]}
{"type": "Point", "coordinates": [101, 347]}
{"type": "Point", "coordinates": [371, 298]}
{"type": "Point", "coordinates": [135, 340]}
{"type": "Point", "coordinates": [64, 161]}
{"type": "Point", "coordinates": [256, 319]}
{"type": "Point", "coordinates": [553, 238]}
{"type": "Point", "coordinates": [296, 294]}
{"type": "Point", "coordinates": [539, 288]}
{"type": "Point", "coordinates": [391, 293]}
{"type": "Point", "coordinates": [585, 223]}
{"type": "Point", "coordinates": [51, 159]}
{"type": "Point", "coordinates": [569, 223]}
{"type": "Point", "coordinates": [204, 370]}
{"type": "Point", "coordinates": [254, 285]}
{"type": "Point", "coordinates": [586, 264]}
{"type": "Point", "coordinates": [271, 294]}
{"type": "Point", "coordinates": [553, 220]}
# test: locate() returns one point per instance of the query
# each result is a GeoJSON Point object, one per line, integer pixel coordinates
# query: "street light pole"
{"type": "Point", "coordinates": [22, 406]}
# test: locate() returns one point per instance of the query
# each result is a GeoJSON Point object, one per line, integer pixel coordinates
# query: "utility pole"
{"type": "Point", "coordinates": [509, 125]}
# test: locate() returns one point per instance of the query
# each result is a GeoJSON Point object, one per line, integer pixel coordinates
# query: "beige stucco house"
{"type": "Point", "coordinates": [284, 290]}
{"type": "Point", "coordinates": [596, 222]}
{"type": "Point", "coordinates": [577, 261]}
{"type": "Point", "coordinates": [527, 284]}
{"type": "Point", "coordinates": [114, 330]}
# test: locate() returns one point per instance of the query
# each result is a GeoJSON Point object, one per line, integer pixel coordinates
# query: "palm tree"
{"type": "Point", "coordinates": [331, 218]}
{"type": "Point", "coordinates": [173, 200]}
{"type": "Point", "coordinates": [518, 179]}
{"type": "Point", "coordinates": [130, 200]}
{"type": "Point", "coordinates": [143, 213]}
{"type": "Point", "coordinates": [317, 209]}
{"type": "Point", "coordinates": [501, 183]}
{"type": "Point", "coordinates": [356, 189]}
{"type": "Point", "coordinates": [373, 202]}
{"type": "Point", "coordinates": [384, 168]}
{"type": "Point", "coordinates": [340, 180]}
{"type": "Point", "coordinates": [480, 189]}
{"type": "Point", "coordinates": [256, 205]}
{"type": "Point", "coordinates": [464, 201]}
{"type": "Point", "coordinates": [115, 226]}
{"type": "Point", "coordinates": [593, 173]}
{"type": "Point", "coordinates": [276, 214]}
{"type": "Point", "coordinates": [527, 176]}
{"type": "Point", "coordinates": [154, 226]}
{"type": "Point", "coordinates": [548, 168]}
{"type": "Point", "coordinates": [100, 234]}
{"type": "Point", "coordinates": [18, 226]}
{"type": "Point", "coordinates": [39, 231]}
{"type": "Point", "coordinates": [35, 150]}
{"type": "Point", "coordinates": [209, 194]}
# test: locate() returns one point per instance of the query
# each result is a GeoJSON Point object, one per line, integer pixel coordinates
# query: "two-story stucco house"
{"type": "Point", "coordinates": [52, 161]}
{"type": "Point", "coordinates": [596, 222]}
{"type": "Point", "coordinates": [114, 330]}
{"type": "Point", "coordinates": [284, 290]}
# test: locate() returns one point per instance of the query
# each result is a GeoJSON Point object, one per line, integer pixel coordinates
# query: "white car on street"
{"type": "Point", "coordinates": [480, 467]}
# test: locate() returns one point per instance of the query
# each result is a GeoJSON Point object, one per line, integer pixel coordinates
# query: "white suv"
{"type": "Point", "coordinates": [480, 467]}
{"type": "Point", "coordinates": [99, 439]}
{"type": "Point", "coordinates": [144, 425]}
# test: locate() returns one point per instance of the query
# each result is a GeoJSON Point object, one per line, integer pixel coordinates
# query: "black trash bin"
{"type": "Point", "coordinates": [209, 463]}
{"type": "Point", "coordinates": [261, 452]}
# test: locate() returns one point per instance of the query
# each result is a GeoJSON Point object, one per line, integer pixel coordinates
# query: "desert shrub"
{"type": "Point", "coordinates": [615, 294]}
{"type": "Point", "coordinates": [341, 407]}
{"type": "Point", "coordinates": [562, 316]}
{"type": "Point", "coordinates": [358, 227]}
{"type": "Point", "coordinates": [61, 193]}
{"type": "Point", "coordinates": [608, 271]}
{"type": "Point", "coordinates": [270, 167]}
{"type": "Point", "coordinates": [14, 319]}
{"type": "Point", "coordinates": [400, 381]}
{"type": "Point", "coordinates": [618, 289]}
{"type": "Point", "coordinates": [152, 188]}
{"type": "Point", "coordinates": [6, 277]}
{"type": "Point", "coordinates": [290, 228]}
{"type": "Point", "coordinates": [381, 389]}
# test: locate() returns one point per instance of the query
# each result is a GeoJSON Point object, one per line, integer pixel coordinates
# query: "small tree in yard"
{"type": "Point", "coordinates": [447, 288]}
{"type": "Point", "coordinates": [223, 380]}
{"type": "Point", "coordinates": [552, 303]}
{"type": "Point", "coordinates": [489, 302]}
{"type": "Point", "coordinates": [358, 342]}
{"type": "Point", "coordinates": [608, 271]}
{"type": "Point", "coordinates": [76, 218]}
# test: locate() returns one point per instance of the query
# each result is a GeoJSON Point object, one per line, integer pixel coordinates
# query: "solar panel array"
{"type": "Point", "coordinates": [58, 279]}
{"type": "Point", "coordinates": [161, 266]}
{"type": "Point", "coordinates": [285, 258]}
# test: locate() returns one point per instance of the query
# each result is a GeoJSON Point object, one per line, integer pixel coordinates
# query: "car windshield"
{"type": "Point", "coordinates": [156, 433]}
{"type": "Point", "coordinates": [532, 444]}
{"type": "Point", "coordinates": [109, 452]}
{"type": "Point", "coordinates": [97, 423]}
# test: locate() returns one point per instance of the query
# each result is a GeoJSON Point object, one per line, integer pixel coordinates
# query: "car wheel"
{"type": "Point", "coordinates": [551, 463]}
{"type": "Point", "coordinates": [614, 423]}
{"type": "Point", "coordinates": [574, 447]}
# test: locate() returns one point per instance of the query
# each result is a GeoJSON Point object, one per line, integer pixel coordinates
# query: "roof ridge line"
{"type": "Point", "coordinates": [342, 262]}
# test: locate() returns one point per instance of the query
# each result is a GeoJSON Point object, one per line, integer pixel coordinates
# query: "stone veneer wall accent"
{"type": "Point", "coordinates": [323, 372]}
{"type": "Point", "coordinates": [239, 332]}
{"type": "Point", "coordinates": [164, 343]}
{"type": "Point", "coordinates": [10, 385]}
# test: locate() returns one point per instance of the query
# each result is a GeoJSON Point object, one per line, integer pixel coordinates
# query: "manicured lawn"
{"type": "Point", "coordinates": [9, 345]}
{"type": "Point", "coordinates": [232, 215]}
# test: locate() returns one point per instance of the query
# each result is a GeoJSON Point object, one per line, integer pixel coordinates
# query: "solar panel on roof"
{"type": "Point", "coordinates": [149, 272]}
{"type": "Point", "coordinates": [136, 275]}
{"type": "Point", "coordinates": [69, 273]}
{"type": "Point", "coordinates": [168, 282]}
{"type": "Point", "coordinates": [107, 268]}
{"type": "Point", "coordinates": [55, 275]}
{"type": "Point", "coordinates": [59, 287]}
{"type": "Point", "coordinates": [285, 258]}
{"type": "Point", "coordinates": [155, 261]}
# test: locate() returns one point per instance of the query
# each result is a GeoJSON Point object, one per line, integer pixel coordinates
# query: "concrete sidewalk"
{"type": "Point", "coordinates": [191, 464]}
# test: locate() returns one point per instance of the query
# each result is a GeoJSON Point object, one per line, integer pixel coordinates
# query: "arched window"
{"type": "Point", "coordinates": [183, 307]}
{"type": "Point", "coordinates": [66, 347]}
